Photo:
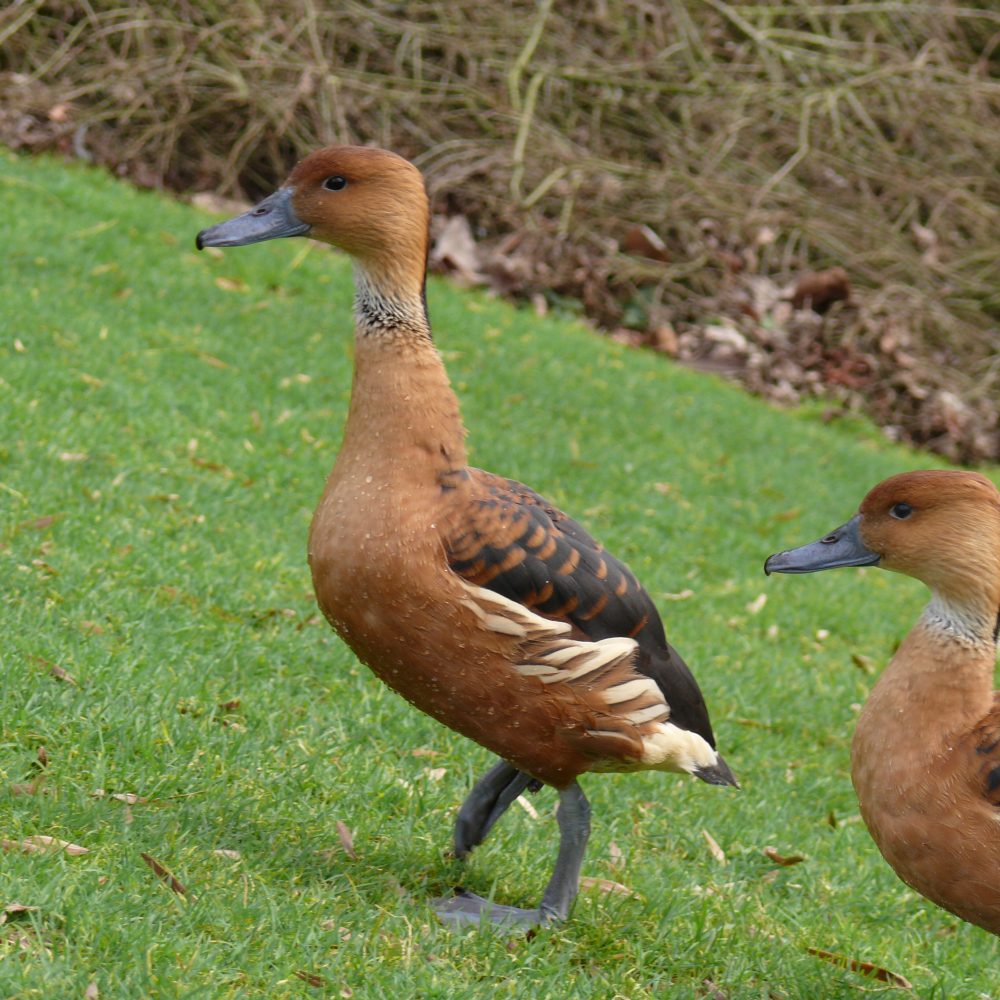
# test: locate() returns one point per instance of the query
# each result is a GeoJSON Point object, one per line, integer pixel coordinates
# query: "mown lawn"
{"type": "Point", "coordinates": [166, 422]}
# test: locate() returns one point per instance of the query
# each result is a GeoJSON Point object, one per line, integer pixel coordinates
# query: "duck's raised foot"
{"type": "Point", "coordinates": [466, 909]}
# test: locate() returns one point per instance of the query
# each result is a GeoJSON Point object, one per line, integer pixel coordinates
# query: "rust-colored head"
{"type": "Point", "coordinates": [941, 526]}
{"type": "Point", "coordinates": [369, 202]}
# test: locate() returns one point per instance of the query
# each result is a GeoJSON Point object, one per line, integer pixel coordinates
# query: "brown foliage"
{"type": "Point", "coordinates": [751, 140]}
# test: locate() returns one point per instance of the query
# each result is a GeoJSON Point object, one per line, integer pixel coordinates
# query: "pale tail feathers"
{"type": "Point", "coordinates": [631, 728]}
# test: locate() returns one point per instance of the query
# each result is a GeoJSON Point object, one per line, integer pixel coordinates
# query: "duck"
{"type": "Point", "coordinates": [925, 755]}
{"type": "Point", "coordinates": [468, 593]}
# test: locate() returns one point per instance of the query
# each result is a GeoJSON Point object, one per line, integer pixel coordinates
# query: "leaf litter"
{"type": "Point", "coordinates": [43, 844]}
{"type": "Point", "coordinates": [165, 875]}
{"type": "Point", "coordinates": [883, 975]}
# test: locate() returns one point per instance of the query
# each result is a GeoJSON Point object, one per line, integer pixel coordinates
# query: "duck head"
{"type": "Point", "coordinates": [368, 202]}
{"type": "Point", "coordinates": [941, 526]}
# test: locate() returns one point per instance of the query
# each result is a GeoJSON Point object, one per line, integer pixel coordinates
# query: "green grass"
{"type": "Point", "coordinates": [167, 421]}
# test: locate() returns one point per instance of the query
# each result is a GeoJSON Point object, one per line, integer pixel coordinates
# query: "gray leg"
{"type": "Point", "coordinates": [465, 908]}
{"type": "Point", "coordinates": [574, 831]}
{"type": "Point", "coordinates": [486, 803]}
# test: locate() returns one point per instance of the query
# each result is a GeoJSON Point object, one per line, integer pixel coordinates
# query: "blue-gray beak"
{"type": "Point", "coordinates": [270, 219]}
{"type": "Point", "coordinates": [842, 547]}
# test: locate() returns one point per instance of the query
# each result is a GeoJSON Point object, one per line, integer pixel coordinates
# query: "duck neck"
{"type": "Point", "coordinates": [973, 623]}
{"type": "Point", "coordinates": [403, 414]}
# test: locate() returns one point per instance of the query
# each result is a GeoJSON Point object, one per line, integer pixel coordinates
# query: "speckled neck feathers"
{"type": "Point", "coordinates": [389, 309]}
{"type": "Point", "coordinates": [404, 416]}
{"type": "Point", "coordinates": [965, 624]}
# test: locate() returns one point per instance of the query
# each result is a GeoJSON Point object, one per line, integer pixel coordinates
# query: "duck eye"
{"type": "Point", "coordinates": [336, 183]}
{"type": "Point", "coordinates": [901, 511]}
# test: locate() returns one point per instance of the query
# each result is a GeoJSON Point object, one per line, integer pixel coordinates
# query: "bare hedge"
{"type": "Point", "coordinates": [758, 141]}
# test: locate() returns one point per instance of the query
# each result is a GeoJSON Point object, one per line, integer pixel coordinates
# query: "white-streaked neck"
{"type": "Point", "coordinates": [969, 625]}
{"type": "Point", "coordinates": [383, 305]}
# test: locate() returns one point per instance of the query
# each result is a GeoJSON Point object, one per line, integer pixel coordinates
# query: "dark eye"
{"type": "Point", "coordinates": [901, 511]}
{"type": "Point", "coordinates": [336, 183]}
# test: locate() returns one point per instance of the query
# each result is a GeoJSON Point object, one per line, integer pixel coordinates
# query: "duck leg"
{"type": "Point", "coordinates": [465, 908]}
{"type": "Point", "coordinates": [487, 802]}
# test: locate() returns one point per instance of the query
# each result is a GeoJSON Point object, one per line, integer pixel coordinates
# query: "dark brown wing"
{"type": "Point", "coordinates": [507, 538]}
{"type": "Point", "coordinates": [987, 735]}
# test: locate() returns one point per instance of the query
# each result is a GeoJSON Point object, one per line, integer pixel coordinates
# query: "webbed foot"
{"type": "Point", "coordinates": [466, 909]}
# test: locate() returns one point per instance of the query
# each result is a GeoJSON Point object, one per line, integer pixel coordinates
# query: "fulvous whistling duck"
{"type": "Point", "coordinates": [470, 594]}
{"type": "Point", "coordinates": [925, 759]}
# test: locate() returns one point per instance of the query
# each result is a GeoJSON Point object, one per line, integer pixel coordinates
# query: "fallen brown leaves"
{"type": "Point", "coordinates": [785, 860]}
{"type": "Point", "coordinates": [15, 910]}
{"type": "Point", "coordinates": [33, 787]}
{"type": "Point", "coordinates": [346, 839]}
{"type": "Point", "coordinates": [165, 875]}
{"type": "Point", "coordinates": [312, 978]}
{"type": "Point", "coordinates": [600, 194]}
{"type": "Point", "coordinates": [713, 847]}
{"type": "Point", "coordinates": [813, 336]}
{"type": "Point", "coordinates": [865, 968]}
{"type": "Point", "coordinates": [39, 523]}
{"type": "Point", "coordinates": [55, 670]}
{"type": "Point", "coordinates": [17, 932]}
{"type": "Point", "coordinates": [607, 885]}
{"type": "Point", "coordinates": [42, 844]}
{"type": "Point", "coordinates": [712, 991]}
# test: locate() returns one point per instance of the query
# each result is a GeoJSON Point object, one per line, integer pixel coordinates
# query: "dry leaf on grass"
{"type": "Point", "coordinates": [91, 992]}
{"type": "Point", "coordinates": [527, 806]}
{"type": "Point", "coordinates": [222, 852]}
{"type": "Point", "coordinates": [40, 522]}
{"type": "Point", "coordinates": [42, 844]}
{"type": "Point", "coordinates": [788, 515]}
{"type": "Point", "coordinates": [713, 846]}
{"type": "Point", "coordinates": [165, 875]}
{"type": "Point", "coordinates": [680, 595]}
{"type": "Point", "coordinates": [425, 752]}
{"type": "Point", "coordinates": [210, 359]}
{"type": "Point", "coordinates": [15, 910]}
{"type": "Point", "coordinates": [55, 671]}
{"type": "Point", "coordinates": [231, 284]}
{"type": "Point", "coordinates": [346, 839]}
{"type": "Point", "coordinates": [25, 939]}
{"type": "Point", "coordinates": [25, 787]}
{"type": "Point", "coordinates": [865, 968]}
{"type": "Point", "coordinates": [311, 978]}
{"type": "Point", "coordinates": [783, 859]}
{"type": "Point", "coordinates": [712, 991]}
{"type": "Point", "coordinates": [863, 662]}
{"type": "Point", "coordinates": [607, 885]}
{"type": "Point", "coordinates": [62, 675]}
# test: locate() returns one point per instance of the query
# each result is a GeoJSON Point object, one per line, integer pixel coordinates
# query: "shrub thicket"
{"type": "Point", "coordinates": [757, 140]}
